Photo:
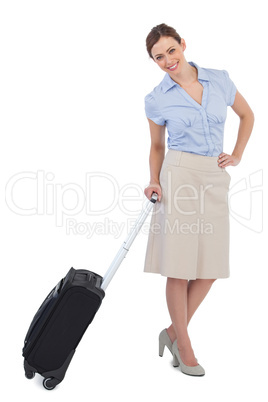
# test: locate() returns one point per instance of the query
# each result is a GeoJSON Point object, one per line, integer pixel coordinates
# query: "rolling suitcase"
{"type": "Point", "coordinates": [65, 314]}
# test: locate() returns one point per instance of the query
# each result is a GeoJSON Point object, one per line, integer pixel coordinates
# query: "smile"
{"type": "Point", "coordinates": [172, 68]}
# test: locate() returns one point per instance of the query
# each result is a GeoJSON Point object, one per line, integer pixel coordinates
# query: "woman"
{"type": "Point", "coordinates": [189, 237]}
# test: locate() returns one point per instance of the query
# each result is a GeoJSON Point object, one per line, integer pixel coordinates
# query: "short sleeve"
{"type": "Point", "coordinates": [152, 111]}
{"type": "Point", "coordinates": [230, 89]}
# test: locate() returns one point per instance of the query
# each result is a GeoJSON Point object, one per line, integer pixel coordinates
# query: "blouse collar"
{"type": "Point", "coordinates": [168, 82]}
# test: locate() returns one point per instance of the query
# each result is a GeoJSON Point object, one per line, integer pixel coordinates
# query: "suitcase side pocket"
{"type": "Point", "coordinates": [40, 318]}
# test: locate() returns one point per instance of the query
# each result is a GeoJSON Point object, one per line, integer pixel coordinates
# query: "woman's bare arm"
{"type": "Point", "coordinates": [157, 154]}
{"type": "Point", "coordinates": [242, 109]}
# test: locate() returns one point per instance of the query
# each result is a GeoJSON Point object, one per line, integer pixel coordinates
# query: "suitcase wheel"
{"type": "Point", "coordinates": [29, 374]}
{"type": "Point", "coordinates": [50, 383]}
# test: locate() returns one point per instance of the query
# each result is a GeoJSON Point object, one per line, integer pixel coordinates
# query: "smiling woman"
{"type": "Point", "coordinates": [167, 53]}
{"type": "Point", "coordinates": [191, 102]}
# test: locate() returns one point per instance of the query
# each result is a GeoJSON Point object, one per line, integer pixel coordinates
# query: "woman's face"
{"type": "Point", "coordinates": [168, 54]}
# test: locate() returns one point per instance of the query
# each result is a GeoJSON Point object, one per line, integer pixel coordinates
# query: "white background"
{"type": "Point", "coordinates": [73, 79]}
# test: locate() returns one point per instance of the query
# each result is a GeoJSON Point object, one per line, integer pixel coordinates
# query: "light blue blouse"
{"type": "Point", "coordinates": [193, 127]}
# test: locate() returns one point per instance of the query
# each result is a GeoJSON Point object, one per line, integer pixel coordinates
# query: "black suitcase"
{"type": "Point", "coordinates": [65, 314]}
{"type": "Point", "coordinates": [59, 324]}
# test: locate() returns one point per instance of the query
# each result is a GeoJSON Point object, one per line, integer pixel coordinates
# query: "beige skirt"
{"type": "Point", "coordinates": [189, 230]}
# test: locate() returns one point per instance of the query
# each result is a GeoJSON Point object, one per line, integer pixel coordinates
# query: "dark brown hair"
{"type": "Point", "coordinates": [157, 32]}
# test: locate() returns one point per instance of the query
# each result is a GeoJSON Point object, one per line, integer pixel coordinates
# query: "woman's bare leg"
{"type": "Point", "coordinates": [176, 292]}
{"type": "Point", "coordinates": [197, 291]}
{"type": "Point", "coordinates": [183, 299]}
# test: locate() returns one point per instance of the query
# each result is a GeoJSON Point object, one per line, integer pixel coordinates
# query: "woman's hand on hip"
{"type": "Point", "coordinates": [153, 188]}
{"type": "Point", "coordinates": [227, 160]}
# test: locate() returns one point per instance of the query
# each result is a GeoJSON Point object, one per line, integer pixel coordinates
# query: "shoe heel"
{"type": "Point", "coordinates": [161, 348]}
{"type": "Point", "coordinates": [175, 361]}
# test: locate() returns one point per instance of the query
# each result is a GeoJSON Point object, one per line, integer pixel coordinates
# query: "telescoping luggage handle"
{"type": "Point", "coordinates": [127, 243]}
